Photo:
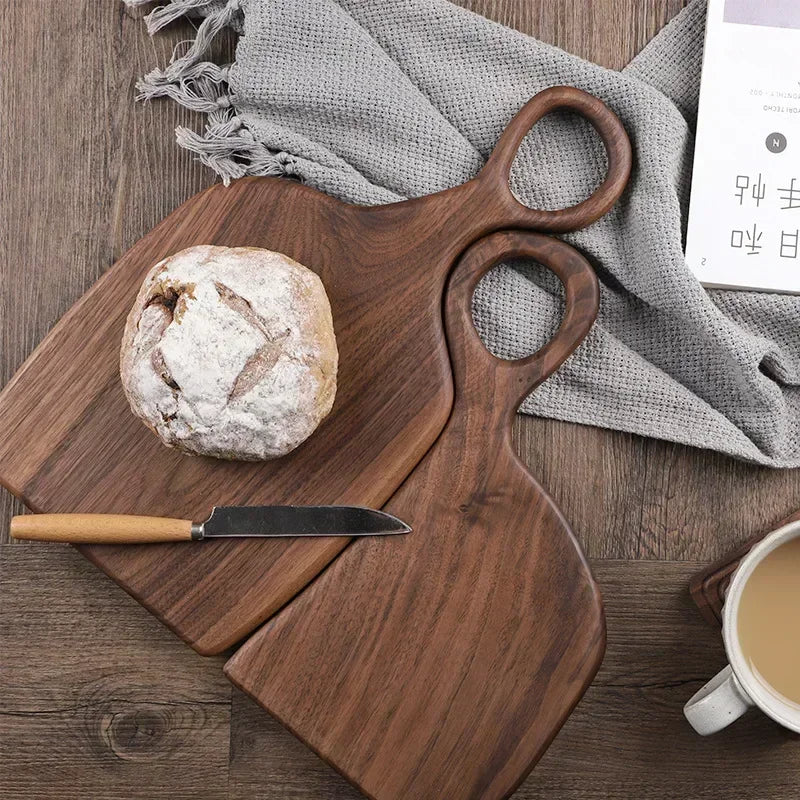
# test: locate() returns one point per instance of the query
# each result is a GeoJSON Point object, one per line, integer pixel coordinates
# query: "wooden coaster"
{"type": "Point", "coordinates": [708, 587]}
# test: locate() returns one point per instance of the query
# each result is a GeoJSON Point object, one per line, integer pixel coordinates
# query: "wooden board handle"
{"type": "Point", "coordinates": [494, 177]}
{"type": "Point", "coordinates": [512, 381]}
{"type": "Point", "coordinates": [100, 528]}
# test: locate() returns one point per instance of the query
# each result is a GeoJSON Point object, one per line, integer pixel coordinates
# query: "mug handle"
{"type": "Point", "coordinates": [721, 701]}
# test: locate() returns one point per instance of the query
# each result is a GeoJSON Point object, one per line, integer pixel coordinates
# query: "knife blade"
{"type": "Point", "coordinates": [225, 521]}
{"type": "Point", "coordinates": [298, 521]}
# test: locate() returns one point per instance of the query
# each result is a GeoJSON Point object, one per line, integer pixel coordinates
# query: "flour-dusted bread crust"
{"type": "Point", "coordinates": [230, 352]}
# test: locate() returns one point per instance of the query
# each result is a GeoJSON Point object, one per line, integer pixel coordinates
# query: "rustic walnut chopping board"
{"type": "Point", "coordinates": [442, 663]}
{"type": "Point", "coordinates": [71, 444]}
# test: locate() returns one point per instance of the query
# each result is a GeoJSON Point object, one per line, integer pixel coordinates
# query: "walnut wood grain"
{"type": "Point", "coordinates": [100, 702]}
{"type": "Point", "coordinates": [73, 445]}
{"type": "Point", "coordinates": [89, 172]}
{"type": "Point", "coordinates": [612, 747]}
{"type": "Point", "coordinates": [444, 664]}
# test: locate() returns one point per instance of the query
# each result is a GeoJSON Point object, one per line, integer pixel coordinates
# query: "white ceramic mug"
{"type": "Point", "coordinates": [736, 689]}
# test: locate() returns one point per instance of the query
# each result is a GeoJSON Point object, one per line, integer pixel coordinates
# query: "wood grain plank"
{"type": "Point", "coordinates": [51, 197]}
{"type": "Point", "coordinates": [709, 586]}
{"type": "Point", "coordinates": [597, 479]}
{"type": "Point", "coordinates": [269, 763]}
{"type": "Point", "coordinates": [627, 737]}
{"type": "Point", "coordinates": [86, 170]}
{"type": "Point", "coordinates": [638, 498]}
{"type": "Point", "coordinates": [98, 699]}
{"type": "Point", "coordinates": [590, 30]}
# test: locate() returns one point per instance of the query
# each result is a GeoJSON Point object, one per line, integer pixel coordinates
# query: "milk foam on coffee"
{"type": "Point", "coordinates": [769, 622]}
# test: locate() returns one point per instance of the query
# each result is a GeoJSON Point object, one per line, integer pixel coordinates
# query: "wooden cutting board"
{"type": "Point", "coordinates": [441, 664]}
{"type": "Point", "coordinates": [70, 443]}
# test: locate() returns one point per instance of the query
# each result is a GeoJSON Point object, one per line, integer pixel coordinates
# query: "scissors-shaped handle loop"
{"type": "Point", "coordinates": [497, 171]}
{"type": "Point", "coordinates": [476, 368]}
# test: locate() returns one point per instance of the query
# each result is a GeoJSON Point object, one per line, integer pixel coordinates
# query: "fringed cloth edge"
{"type": "Point", "coordinates": [226, 146]}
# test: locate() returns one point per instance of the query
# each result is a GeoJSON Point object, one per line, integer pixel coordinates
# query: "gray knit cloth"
{"type": "Point", "coordinates": [375, 101]}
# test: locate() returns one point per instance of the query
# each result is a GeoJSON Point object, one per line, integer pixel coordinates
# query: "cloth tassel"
{"type": "Point", "coordinates": [180, 67]}
{"type": "Point", "coordinates": [226, 147]}
{"type": "Point", "coordinates": [164, 15]}
{"type": "Point", "coordinates": [203, 88]}
{"type": "Point", "coordinates": [232, 152]}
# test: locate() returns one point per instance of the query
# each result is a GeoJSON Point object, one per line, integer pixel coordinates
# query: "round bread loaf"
{"type": "Point", "coordinates": [230, 352]}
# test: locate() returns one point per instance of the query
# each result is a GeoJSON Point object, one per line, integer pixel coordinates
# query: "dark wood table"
{"type": "Point", "coordinates": [97, 700]}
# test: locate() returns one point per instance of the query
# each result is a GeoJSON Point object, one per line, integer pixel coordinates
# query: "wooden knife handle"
{"type": "Point", "coordinates": [100, 528]}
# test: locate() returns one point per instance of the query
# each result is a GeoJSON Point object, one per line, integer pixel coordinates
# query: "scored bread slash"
{"type": "Point", "coordinates": [230, 352]}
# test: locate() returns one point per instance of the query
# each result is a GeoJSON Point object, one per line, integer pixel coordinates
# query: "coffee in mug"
{"type": "Point", "coordinates": [761, 630]}
{"type": "Point", "coordinates": [769, 621]}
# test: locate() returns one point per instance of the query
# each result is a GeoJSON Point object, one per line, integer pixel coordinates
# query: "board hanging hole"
{"type": "Point", "coordinates": [567, 156]}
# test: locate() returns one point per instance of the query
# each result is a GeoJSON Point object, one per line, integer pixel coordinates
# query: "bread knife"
{"type": "Point", "coordinates": [225, 521]}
